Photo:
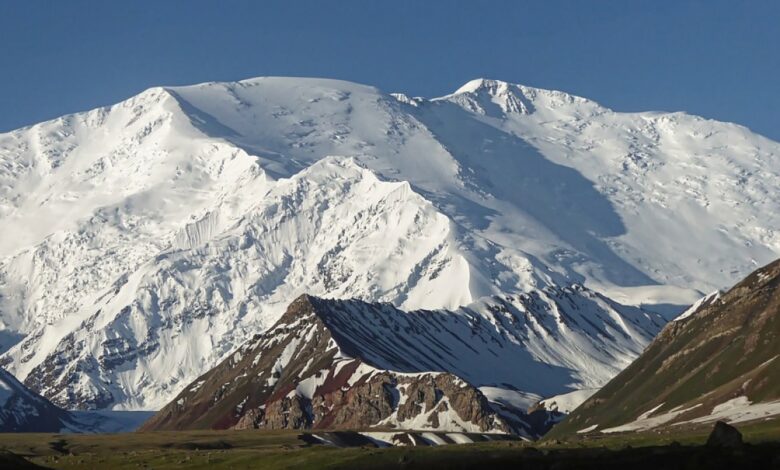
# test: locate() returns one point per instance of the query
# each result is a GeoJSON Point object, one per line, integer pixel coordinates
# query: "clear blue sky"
{"type": "Point", "coordinates": [719, 59]}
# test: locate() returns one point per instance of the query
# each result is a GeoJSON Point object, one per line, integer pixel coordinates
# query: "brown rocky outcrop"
{"type": "Point", "coordinates": [375, 399]}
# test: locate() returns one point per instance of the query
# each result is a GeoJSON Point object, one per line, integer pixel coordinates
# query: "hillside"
{"type": "Point", "coordinates": [716, 362]}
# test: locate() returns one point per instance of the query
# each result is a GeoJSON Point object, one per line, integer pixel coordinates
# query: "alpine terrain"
{"type": "Point", "coordinates": [509, 243]}
{"type": "Point", "coordinates": [22, 410]}
{"type": "Point", "coordinates": [716, 362]}
{"type": "Point", "coordinates": [336, 364]}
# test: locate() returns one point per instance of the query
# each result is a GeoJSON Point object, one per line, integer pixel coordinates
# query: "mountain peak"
{"type": "Point", "coordinates": [494, 98]}
{"type": "Point", "coordinates": [478, 84]}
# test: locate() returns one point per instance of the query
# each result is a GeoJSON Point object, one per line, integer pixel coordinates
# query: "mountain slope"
{"type": "Point", "coordinates": [718, 361]}
{"type": "Point", "coordinates": [22, 410]}
{"type": "Point", "coordinates": [351, 364]}
{"type": "Point", "coordinates": [153, 237]}
{"type": "Point", "coordinates": [394, 241]}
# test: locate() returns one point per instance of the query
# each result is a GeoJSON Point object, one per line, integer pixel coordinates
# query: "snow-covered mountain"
{"type": "Point", "coordinates": [22, 410]}
{"type": "Point", "coordinates": [143, 242]}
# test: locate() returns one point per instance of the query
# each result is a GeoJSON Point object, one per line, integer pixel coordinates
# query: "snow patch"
{"type": "Point", "coordinates": [739, 410]}
{"type": "Point", "coordinates": [588, 429]}
{"type": "Point", "coordinates": [706, 300]}
{"type": "Point", "coordinates": [645, 422]}
{"type": "Point", "coordinates": [567, 402]}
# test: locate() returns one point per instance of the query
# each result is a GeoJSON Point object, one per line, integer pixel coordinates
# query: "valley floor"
{"type": "Point", "coordinates": [294, 450]}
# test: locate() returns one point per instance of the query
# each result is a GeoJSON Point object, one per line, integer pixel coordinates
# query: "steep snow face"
{"type": "Point", "coordinates": [88, 198]}
{"type": "Point", "coordinates": [544, 343]}
{"type": "Point", "coordinates": [187, 307]}
{"type": "Point", "coordinates": [147, 239]}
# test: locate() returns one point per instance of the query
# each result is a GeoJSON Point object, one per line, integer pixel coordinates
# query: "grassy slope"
{"type": "Point", "coordinates": [723, 351]}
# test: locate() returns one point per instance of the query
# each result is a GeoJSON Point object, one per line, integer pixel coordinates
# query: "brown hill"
{"type": "Point", "coordinates": [720, 361]}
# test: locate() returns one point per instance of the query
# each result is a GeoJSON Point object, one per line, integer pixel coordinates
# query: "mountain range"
{"type": "Point", "coordinates": [146, 242]}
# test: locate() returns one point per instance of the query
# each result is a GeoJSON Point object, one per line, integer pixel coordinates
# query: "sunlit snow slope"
{"type": "Point", "coordinates": [144, 241]}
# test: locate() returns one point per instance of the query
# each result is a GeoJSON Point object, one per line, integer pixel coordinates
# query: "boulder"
{"type": "Point", "coordinates": [725, 435]}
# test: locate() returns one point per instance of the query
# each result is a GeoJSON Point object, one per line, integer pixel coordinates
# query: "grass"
{"type": "Point", "coordinates": [755, 433]}
{"type": "Point", "coordinates": [220, 449]}
{"type": "Point", "coordinates": [197, 449]}
{"type": "Point", "coordinates": [286, 450]}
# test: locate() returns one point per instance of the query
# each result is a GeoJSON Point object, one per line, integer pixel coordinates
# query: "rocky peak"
{"type": "Point", "coordinates": [347, 363]}
{"type": "Point", "coordinates": [493, 98]}
{"type": "Point", "coordinates": [312, 369]}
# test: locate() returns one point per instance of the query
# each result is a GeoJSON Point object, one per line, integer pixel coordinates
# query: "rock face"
{"type": "Point", "coordinates": [717, 362]}
{"type": "Point", "coordinates": [333, 364]}
{"type": "Point", "coordinates": [375, 399]}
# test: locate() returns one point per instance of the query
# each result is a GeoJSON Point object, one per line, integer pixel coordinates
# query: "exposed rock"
{"type": "Point", "coordinates": [365, 404]}
{"type": "Point", "coordinates": [374, 399]}
{"type": "Point", "coordinates": [288, 413]}
{"type": "Point", "coordinates": [250, 419]}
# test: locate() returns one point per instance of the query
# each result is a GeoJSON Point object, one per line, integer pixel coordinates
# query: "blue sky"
{"type": "Point", "coordinates": [718, 59]}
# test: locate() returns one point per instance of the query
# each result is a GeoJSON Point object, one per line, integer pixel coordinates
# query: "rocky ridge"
{"type": "Point", "coordinates": [335, 364]}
